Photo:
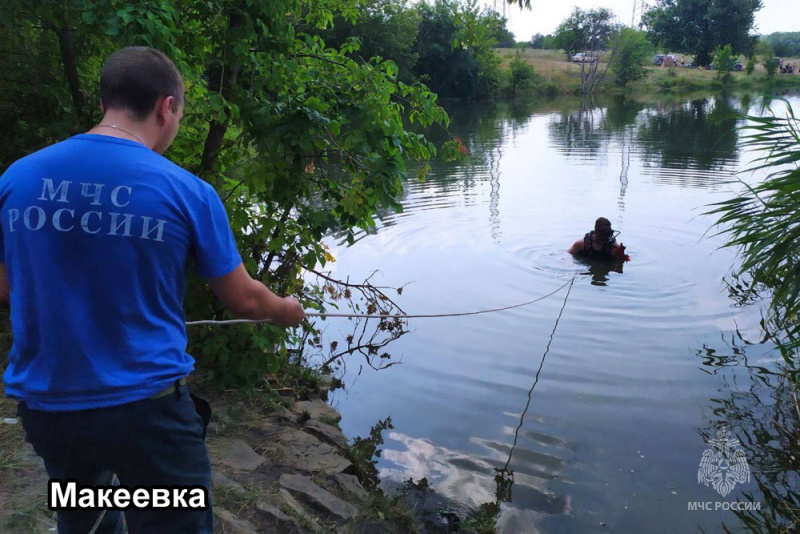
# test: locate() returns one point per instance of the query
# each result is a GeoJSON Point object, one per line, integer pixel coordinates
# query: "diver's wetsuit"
{"type": "Point", "coordinates": [604, 253]}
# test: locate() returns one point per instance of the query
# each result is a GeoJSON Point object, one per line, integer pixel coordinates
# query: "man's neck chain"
{"type": "Point", "coordinates": [123, 130]}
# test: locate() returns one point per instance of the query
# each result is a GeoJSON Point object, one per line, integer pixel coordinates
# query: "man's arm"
{"type": "Point", "coordinates": [576, 247]}
{"type": "Point", "coordinates": [250, 299]}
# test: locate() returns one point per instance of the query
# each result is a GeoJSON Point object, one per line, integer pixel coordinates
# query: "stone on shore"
{"type": "Point", "coordinates": [327, 432]}
{"type": "Point", "coordinates": [232, 524]}
{"type": "Point", "coordinates": [221, 482]}
{"type": "Point", "coordinates": [282, 412]}
{"type": "Point", "coordinates": [318, 497]}
{"type": "Point", "coordinates": [276, 520]}
{"type": "Point", "coordinates": [351, 485]}
{"type": "Point", "coordinates": [316, 409]}
{"type": "Point", "coordinates": [235, 453]}
{"type": "Point", "coordinates": [301, 450]}
{"type": "Point", "coordinates": [300, 510]}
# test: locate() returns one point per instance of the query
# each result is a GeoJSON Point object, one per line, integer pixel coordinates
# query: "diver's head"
{"type": "Point", "coordinates": [603, 230]}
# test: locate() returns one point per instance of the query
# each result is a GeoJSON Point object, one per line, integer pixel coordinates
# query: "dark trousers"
{"type": "Point", "coordinates": [153, 442]}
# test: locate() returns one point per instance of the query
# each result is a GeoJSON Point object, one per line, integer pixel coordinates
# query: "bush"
{"type": "Point", "coordinates": [750, 66]}
{"type": "Point", "coordinates": [521, 75]}
{"type": "Point", "coordinates": [490, 77]}
{"type": "Point", "coordinates": [770, 65]}
{"type": "Point", "coordinates": [546, 87]}
{"type": "Point", "coordinates": [633, 51]}
{"type": "Point", "coordinates": [724, 61]}
{"type": "Point", "coordinates": [665, 84]}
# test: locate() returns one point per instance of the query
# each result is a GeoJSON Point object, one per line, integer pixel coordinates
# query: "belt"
{"type": "Point", "coordinates": [169, 389]}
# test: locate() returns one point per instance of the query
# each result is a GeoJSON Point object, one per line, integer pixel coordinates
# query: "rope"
{"type": "Point", "coordinates": [388, 316]}
{"type": "Point", "coordinates": [97, 523]}
{"type": "Point", "coordinates": [536, 379]}
{"type": "Point", "coordinates": [114, 482]}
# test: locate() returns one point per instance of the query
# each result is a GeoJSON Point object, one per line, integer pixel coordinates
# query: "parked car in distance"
{"type": "Point", "coordinates": [581, 57]}
{"type": "Point", "coordinates": [672, 60]}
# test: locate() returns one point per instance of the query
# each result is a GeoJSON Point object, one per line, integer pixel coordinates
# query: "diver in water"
{"type": "Point", "coordinates": [600, 243]}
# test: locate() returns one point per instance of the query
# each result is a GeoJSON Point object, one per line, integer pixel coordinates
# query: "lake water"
{"type": "Point", "coordinates": [645, 358]}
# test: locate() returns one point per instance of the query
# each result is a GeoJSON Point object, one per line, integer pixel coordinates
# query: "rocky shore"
{"type": "Point", "coordinates": [285, 473]}
{"type": "Point", "coordinates": [277, 467]}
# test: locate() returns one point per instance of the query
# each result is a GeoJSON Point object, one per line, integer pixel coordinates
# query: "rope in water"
{"type": "Point", "coordinates": [389, 316]}
{"type": "Point", "coordinates": [536, 378]}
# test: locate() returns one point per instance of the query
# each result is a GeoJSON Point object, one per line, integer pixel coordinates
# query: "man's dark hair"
{"type": "Point", "coordinates": [136, 77]}
{"type": "Point", "coordinates": [601, 222]}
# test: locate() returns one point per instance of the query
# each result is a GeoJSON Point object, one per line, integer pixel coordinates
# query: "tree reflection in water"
{"type": "Point", "coordinates": [764, 413]}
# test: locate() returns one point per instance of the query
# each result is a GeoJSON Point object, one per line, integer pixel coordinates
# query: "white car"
{"type": "Point", "coordinates": [581, 57]}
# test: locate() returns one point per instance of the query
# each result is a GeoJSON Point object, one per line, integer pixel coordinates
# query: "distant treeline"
{"type": "Point", "coordinates": [445, 44]}
{"type": "Point", "coordinates": [785, 44]}
{"type": "Point", "coordinates": [448, 44]}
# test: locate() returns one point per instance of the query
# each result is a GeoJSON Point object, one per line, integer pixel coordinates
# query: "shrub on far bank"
{"type": "Point", "coordinates": [490, 76]}
{"type": "Point", "coordinates": [770, 65]}
{"type": "Point", "coordinates": [520, 76]}
{"type": "Point", "coordinates": [633, 51]}
{"type": "Point", "coordinates": [724, 61]}
{"type": "Point", "coordinates": [750, 65]}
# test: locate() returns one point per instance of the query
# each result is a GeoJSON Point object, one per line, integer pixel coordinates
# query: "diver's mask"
{"type": "Point", "coordinates": [608, 234]}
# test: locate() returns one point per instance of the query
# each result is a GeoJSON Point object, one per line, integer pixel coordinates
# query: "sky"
{"type": "Point", "coordinates": [545, 15]}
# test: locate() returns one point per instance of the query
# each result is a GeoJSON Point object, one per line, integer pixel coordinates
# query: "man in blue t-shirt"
{"type": "Point", "coordinates": [96, 236]}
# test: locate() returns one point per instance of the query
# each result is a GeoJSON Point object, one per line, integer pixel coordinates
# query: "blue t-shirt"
{"type": "Point", "coordinates": [96, 236]}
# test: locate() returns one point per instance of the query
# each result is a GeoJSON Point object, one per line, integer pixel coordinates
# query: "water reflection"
{"type": "Point", "coordinates": [588, 130]}
{"type": "Point", "coordinates": [600, 269]}
{"type": "Point", "coordinates": [583, 132]}
{"type": "Point", "coordinates": [761, 409]}
{"type": "Point", "coordinates": [670, 135]}
{"type": "Point", "coordinates": [698, 135]}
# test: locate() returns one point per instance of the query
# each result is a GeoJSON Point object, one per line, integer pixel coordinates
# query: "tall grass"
{"type": "Point", "coordinates": [763, 221]}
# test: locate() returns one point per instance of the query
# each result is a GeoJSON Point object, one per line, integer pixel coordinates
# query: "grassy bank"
{"type": "Point", "coordinates": [552, 67]}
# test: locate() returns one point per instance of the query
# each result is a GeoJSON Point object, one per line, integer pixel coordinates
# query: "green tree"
{"type": "Point", "coordinates": [448, 69]}
{"type": "Point", "coordinates": [700, 26]}
{"type": "Point", "coordinates": [770, 63]}
{"type": "Point", "coordinates": [785, 44]}
{"type": "Point", "coordinates": [724, 63]}
{"type": "Point", "coordinates": [297, 137]}
{"type": "Point", "coordinates": [585, 31]}
{"type": "Point", "coordinates": [537, 41]}
{"type": "Point", "coordinates": [521, 75]}
{"type": "Point", "coordinates": [454, 46]}
{"type": "Point", "coordinates": [550, 42]}
{"type": "Point", "coordinates": [750, 65]}
{"type": "Point", "coordinates": [633, 52]}
{"type": "Point", "coordinates": [504, 37]}
{"type": "Point", "coordinates": [383, 28]}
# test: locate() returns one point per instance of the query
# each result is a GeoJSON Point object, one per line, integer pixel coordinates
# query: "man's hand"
{"type": "Point", "coordinates": [292, 315]}
{"type": "Point", "coordinates": [250, 299]}
{"type": "Point", "coordinates": [619, 252]}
